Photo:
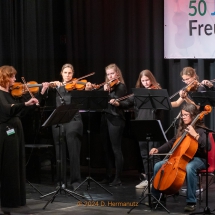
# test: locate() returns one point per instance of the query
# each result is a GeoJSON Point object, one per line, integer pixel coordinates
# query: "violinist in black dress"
{"type": "Point", "coordinates": [12, 150]}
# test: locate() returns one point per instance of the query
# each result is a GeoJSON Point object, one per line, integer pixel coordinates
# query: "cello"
{"type": "Point", "coordinates": [170, 177]}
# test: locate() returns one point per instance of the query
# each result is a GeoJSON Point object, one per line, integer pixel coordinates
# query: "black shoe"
{"type": "Point", "coordinates": [190, 207]}
{"type": "Point", "coordinates": [106, 180]}
{"type": "Point", "coordinates": [116, 182]}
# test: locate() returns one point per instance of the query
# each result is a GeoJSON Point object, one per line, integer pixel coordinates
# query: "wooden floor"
{"type": "Point", "coordinates": [98, 200]}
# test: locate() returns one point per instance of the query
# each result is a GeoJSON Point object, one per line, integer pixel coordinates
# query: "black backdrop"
{"type": "Point", "coordinates": [38, 36]}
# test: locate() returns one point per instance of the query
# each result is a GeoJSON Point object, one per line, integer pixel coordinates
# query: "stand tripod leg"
{"type": "Point", "coordinates": [158, 202]}
{"type": "Point", "coordinates": [48, 194]}
{"type": "Point", "coordinates": [73, 193]}
{"type": "Point", "coordinates": [53, 197]}
{"type": "Point", "coordinates": [88, 180]}
{"type": "Point", "coordinates": [137, 204]}
{"type": "Point", "coordinates": [34, 187]}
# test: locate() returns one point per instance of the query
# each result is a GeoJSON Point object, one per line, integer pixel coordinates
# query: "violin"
{"type": "Point", "coordinates": [18, 89]}
{"type": "Point", "coordinates": [170, 177]}
{"type": "Point", "coordinates": [77, 83]}
{"type": "Point", "coordinates": [110, 83]}
{"type": "Point", "coordinates": [154, 87]}
{"type": "Point", "coordinates": [190, 87]}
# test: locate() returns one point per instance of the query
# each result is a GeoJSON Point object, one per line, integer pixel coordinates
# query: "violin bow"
{"type": "Point", "coordinates": [32, 96]}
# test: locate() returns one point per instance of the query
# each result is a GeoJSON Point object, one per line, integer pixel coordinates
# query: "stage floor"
{"type": "Point", "coordinates": [99, 201]}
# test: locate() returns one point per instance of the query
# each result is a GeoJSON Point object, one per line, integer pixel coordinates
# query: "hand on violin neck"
{"type": "Point", "coordinates": [183, 94]}
{"type": "Point", "coordinates": [45, 87]}
{"type": "Point", "coordinates": [88, 86]}
{"type": "Point", "coordinates": [114, 102]}
{"type": "Point", "coordinates": [107, 87]}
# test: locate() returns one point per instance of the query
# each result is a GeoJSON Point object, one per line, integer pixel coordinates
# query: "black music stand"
{"type": "Point", "coordinates": [155, 100]}
{"type": "Point", "coordinates": [151, 99]}
{"type": "Point", "coordinates": [202, 99]}
{"type": "Point", "coordinates": [148, 130]}
{"type": "Point", "coordinates": [91, 101]}
{"type": "Point", "coordinates": [60, 115]}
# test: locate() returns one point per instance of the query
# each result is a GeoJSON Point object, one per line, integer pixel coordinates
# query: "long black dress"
{"type": "Point", "coordinates": [12, 153]}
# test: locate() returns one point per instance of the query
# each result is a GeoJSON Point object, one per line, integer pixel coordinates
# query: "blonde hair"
{"type": "Point", "coordinates": [117, 70]}
{"type": "Point", "coordinates": [67, 65]}
{"type": "Point", "coordinates": [151, 77]}
{"type": "Point", "coordinates": [6, 72]}
{"type": "Point", "coordinates": [190, 72]}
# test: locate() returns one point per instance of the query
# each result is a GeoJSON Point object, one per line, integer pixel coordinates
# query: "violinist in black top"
{"type": "Point", "coordinates": [190, 78]}
{"type": "Point", "coordinates": [112, 124]}
{"type": "Point", "coordinates": [73, 130]}
{"type": "Point", "coordinates": [145, 80]}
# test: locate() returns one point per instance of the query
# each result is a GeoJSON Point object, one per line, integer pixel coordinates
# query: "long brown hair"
{"type": "Point", "coordinates": [6, 72]}
{"type": "Point", "coordinates": [151, 77]}
{"type": "Point", "coordinates": [193, 111]}
{"type": "Point", "coordinates": [117, 70]}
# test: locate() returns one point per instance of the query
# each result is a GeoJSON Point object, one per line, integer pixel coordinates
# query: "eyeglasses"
{"type": "Point", "coordinates": [185, 115]}
{"type": "Point", "coordinates": [184, 80]}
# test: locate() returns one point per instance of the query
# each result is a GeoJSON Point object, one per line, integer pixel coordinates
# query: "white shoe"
{"type": "Point", "coordinates": [184, 190]}
{"type": "Point", "coordinates": [142, 184]}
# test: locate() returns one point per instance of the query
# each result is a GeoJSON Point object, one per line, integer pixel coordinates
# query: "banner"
{"type": "Point", "coordinates": [189, 29]}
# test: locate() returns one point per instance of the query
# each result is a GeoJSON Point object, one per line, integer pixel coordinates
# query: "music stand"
{"type": "Point", "coordinates": [60, 115]}
{"type": "Point", "coordinates": [156, 100]}
{"type": "Point", "coordinates": [202, 99]}
{"type": "Point", "coordinates": [148, 130]}
{"type": "Point", "coordinates": [91, 101]}
{"type": "Point", "coordinates": [151, 99]}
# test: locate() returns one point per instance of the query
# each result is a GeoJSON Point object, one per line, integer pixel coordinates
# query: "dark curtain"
{"type": "Point", "coordinates": [38, 36]}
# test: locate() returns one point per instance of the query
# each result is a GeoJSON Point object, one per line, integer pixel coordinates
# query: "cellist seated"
{"type": "Point", "coordinates": [190, 142]}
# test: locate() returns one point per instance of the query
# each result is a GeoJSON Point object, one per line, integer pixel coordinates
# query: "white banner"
{"type": "Point", "coordinates": [189, 29]}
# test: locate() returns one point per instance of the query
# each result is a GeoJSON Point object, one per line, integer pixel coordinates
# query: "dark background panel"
{"type": "Point", "coordinates": [37, 37]}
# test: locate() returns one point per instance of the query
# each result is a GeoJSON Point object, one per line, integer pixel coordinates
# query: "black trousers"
{"type": "Point", "coordinates": [111, 133]}
{"type": "Point", "coordinates": [72, 137]}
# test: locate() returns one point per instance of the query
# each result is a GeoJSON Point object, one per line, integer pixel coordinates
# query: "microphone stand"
{"type": "Point", "coordinates": [173, 124]}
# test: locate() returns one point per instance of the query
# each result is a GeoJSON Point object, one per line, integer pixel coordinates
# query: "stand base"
{"type": "Point", "coordinates": [150, 204]}
{"type": "Point", "coordinates": [58, 191]}
{"type": "Point", "coordinates": [33, 187]}
{"type": "Point", "coordinates": [88, 179]}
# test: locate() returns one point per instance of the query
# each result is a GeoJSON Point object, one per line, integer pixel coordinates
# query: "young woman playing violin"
{"type": "Point", "coordinates": [12, 144]}
{"type": "Point", "coordinates": [113, 123]}
{"type": "Point", "coordinates": [197, 133]}
{"type": "Point", "coordinates": [190, 78]}
{"type": "Point", "coordinates": [145, 80]}
{"type": "Point", "coordinates": [73, 130]}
